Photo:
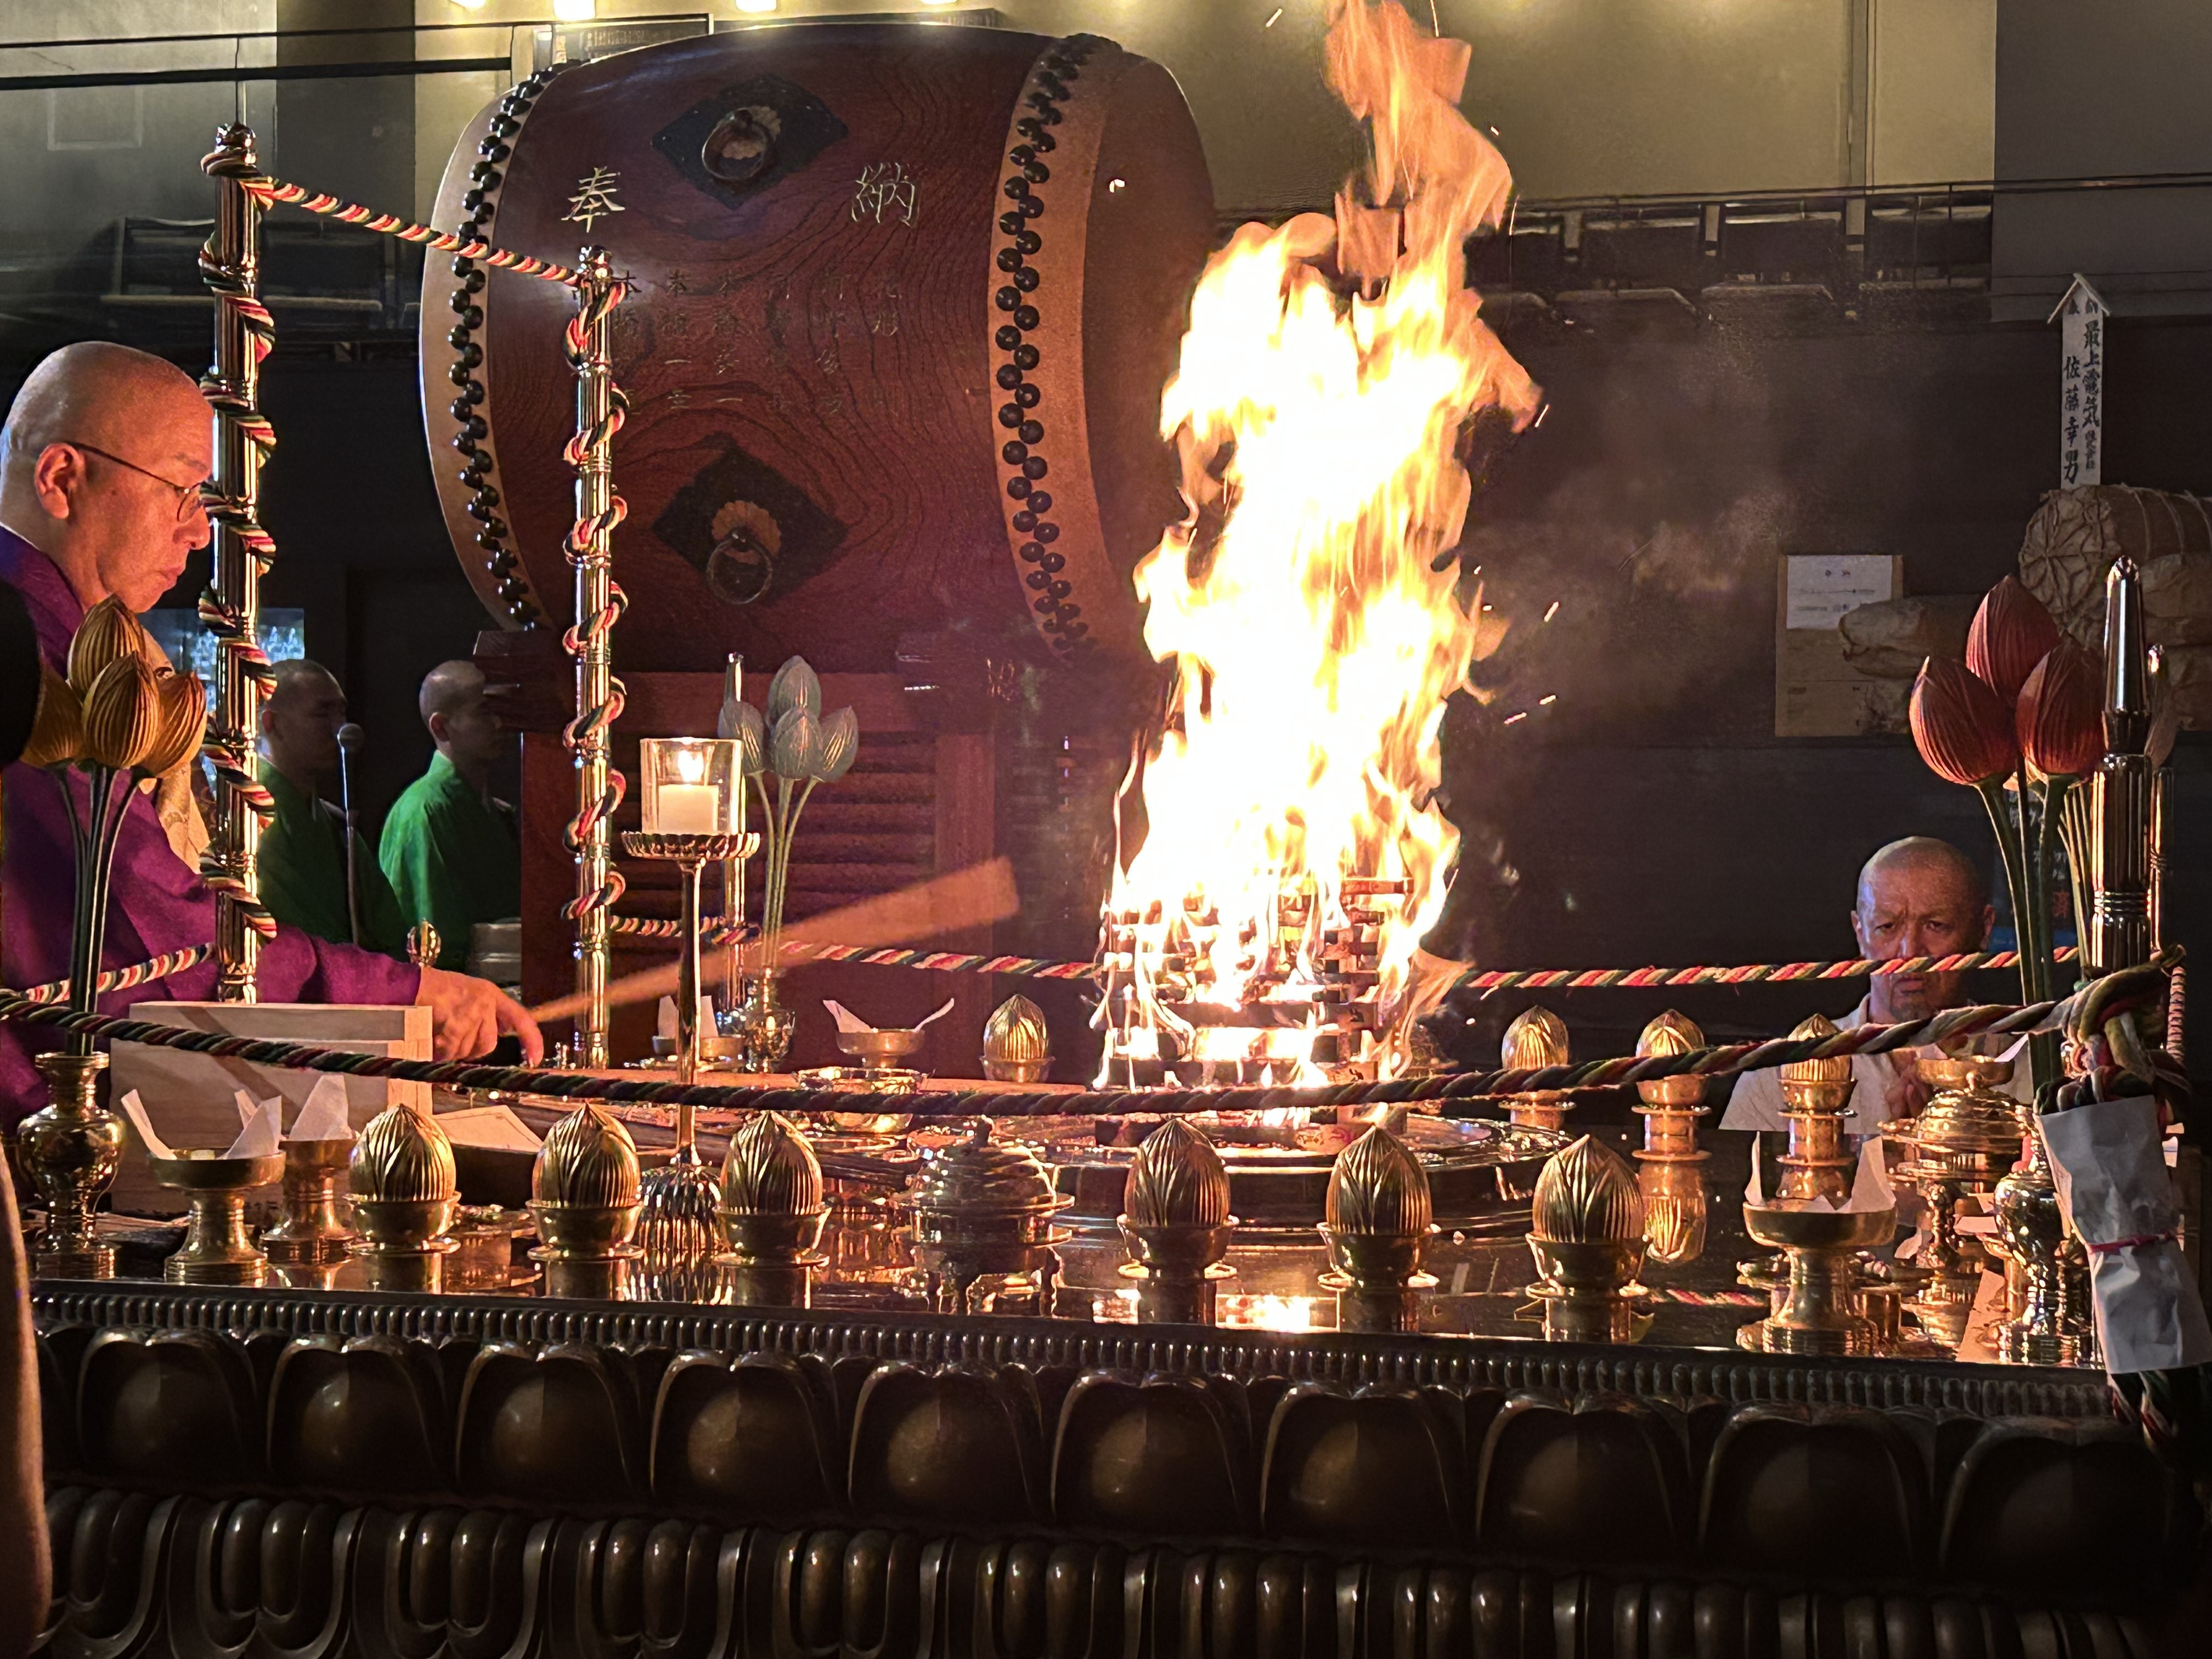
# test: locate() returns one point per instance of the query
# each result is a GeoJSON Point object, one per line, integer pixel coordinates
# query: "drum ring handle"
{"type": "Point", "coordinates": [744, 549]}
{"type": "Point", "coordinates": [741, 147]}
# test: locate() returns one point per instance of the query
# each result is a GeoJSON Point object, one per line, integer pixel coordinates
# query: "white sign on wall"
{"type": "Point", "coordinates": [2081, 319]}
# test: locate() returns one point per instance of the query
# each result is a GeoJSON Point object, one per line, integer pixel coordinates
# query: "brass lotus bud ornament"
{"type": "Point", "coordinates": [1586, 1233]}
{"type": "Point", "coordinates": [403, 1192]}
{"type": "Point", "coordinates": [772, 1210]}
{"type": "Point", "coordinates": [584, 1198]}
{"type": "Point", "coordinates": [1537, 1038]}
{"type": "Point", "coordinates": [1671, 1173]}
{"type": "Point", "coordinates": [1176, 1224]}
{"type": "Point", "coordinates": [1016, 1043]}
{"type": "Point", "coordinates": [1377, 1222]}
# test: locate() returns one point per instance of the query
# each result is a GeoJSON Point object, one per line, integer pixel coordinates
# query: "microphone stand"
{"type": "Point", "coordinates": [350, 737]}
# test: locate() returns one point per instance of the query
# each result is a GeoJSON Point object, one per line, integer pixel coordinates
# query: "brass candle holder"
{"type": "Point", "coordinates": [1378, 1219]}
{"type": "Point", "coordinates": [1176, 1224]}
{"type": "Point", "coordinates": [1538, 1038]}
{"type": "Point", "coordinates": [401, 1172]}
{"type": "Point", "coordinates": [218, 1248]}
{"type": "Point", "coordinates": [313, 1233]}
{"type": "Point", "coordinates": [1963, 1142]}
{"type": "Point", "coordinates": [1672, 1176]}
{"type": "Point", "coordinates": [71, 1148]}
{"type": "Point", "coordinates": [677, 1225]}
{"type": "Point", "coordinates": [772, 1209]}
{"type": "Point", "coordinates": [1818, 1309]}
{"type": "Point", "coordinates": [1817, 1161]}
{"type": "Point", "coordinates": [1587, 1234]}
{"type": "Point", "coordinates": [584, 1198]}
{"type": "Point", "coordinates": [1016, 1043]}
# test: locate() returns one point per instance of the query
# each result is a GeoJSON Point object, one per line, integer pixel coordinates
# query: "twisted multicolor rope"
{"type": "Point", "coordinates": [1458, 1094]}
{"type": "Point", "coordinates": [269, 193]}
{"type": "Point", "coordinates": [1770, 973]}
{"type": "Point", "coordinates": [124, 979]}
{"type": "Point", "coordinates": [585, 736]}
{"type": "Point", "coordinates": [228, 745]}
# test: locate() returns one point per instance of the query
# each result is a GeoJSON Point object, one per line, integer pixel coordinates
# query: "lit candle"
{"type": "Point", "coordinates": [689, 809]}
{"type": "Point", "coordinates": [690, 803]}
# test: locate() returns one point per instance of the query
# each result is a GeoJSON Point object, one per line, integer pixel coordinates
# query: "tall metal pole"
{"type": "Point", "coordinates": [230, 265]}
{"type": "Point", "coordinates": [599, 604]}
{"type": "Point", "coordinates": [2120, 802]}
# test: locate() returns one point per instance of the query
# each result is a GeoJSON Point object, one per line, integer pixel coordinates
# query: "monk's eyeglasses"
{"type": "Point", "coordinates": [188, 495]}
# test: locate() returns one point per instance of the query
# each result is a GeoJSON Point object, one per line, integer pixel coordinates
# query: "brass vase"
{"type": "Point", "coordinates": [218, 1249]}
{"type": "Point", "coordinates": [1962, 1142]}
{"type": "Point", "coordinates": [764, 1025]}
{"type": "Point", "coordinates": [70, 1149]}
{"type": "Point", "coordinates": [2050, 1321]}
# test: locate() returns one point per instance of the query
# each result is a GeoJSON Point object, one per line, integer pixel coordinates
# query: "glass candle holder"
{"type": "Point", "coordinates": [691, 786]}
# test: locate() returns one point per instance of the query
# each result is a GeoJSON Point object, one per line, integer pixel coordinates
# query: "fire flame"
{"type": "Point", "coordinates": [1329, 369]}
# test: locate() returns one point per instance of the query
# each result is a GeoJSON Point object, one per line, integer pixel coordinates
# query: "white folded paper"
{"type": "Point", "coordinates": [495, 1128]}
{"type": "Point", "coordinates": [323, 1113]}
{"type": "Point", "coordinates": [2110, 1169]}
{"type": "Point", "coordinates": [850, 1022]}
{"type": "Point", "coordinates": [263, 1130]}
{"type": "Point", "coordinates": [134, 1109]}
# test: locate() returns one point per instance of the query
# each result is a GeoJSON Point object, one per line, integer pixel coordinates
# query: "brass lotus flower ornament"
{"type": "Point", "coordinates": [1535, 1039]}
{"type": "Point", "coordinates": [1587, 1195]}
{"type": "Point", "coordinates": [1016, 1043]}
{"type": "Point", "coordinates": [584, 1197]}
{"type": "Point", "coordinates": [772, 1210]}
{"type": "Point", "coordinates": [1671, 1174]}
{"type": "Point", "coordinates": [1378, 1219]}
{"type": "Point", "coordinates": [403, 1192]}
{"type": "Point", "coordinates": [1586, 1234]}
{"type": "Point", "coordinates": [1175, 1224]}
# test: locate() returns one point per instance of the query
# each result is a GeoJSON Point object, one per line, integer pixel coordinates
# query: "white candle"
{"type": "Point", "coordinates": [688, 809]}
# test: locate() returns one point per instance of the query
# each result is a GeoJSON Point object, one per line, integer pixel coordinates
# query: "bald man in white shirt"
{"type": "Point", "coordinates": [1917, 897]}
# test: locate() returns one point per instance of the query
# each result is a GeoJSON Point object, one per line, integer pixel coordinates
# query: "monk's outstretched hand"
{"type": "Point", "coordinates": [468, 1016]}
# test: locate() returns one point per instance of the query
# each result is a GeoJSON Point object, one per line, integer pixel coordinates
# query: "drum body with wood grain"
{"type": "Point", "coordinates": [903, 300]}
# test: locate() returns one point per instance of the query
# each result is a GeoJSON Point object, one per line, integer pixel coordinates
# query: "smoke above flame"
{"type": "Point", "coordinates": [1330, 368]}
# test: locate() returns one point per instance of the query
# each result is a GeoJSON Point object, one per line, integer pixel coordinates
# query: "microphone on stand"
{"type": "Point", "coordinates": [350, 737]}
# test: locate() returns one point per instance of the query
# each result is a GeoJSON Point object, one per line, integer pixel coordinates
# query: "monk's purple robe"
{"type": "Point", "coordinates": [158, 903]}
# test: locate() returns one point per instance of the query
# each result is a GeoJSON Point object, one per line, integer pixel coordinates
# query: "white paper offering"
{"type": "Point", "coordinates": [323, 1113]}
{"type": "Point", "coordinates": [244, 1101]}
{"type": "Point", "coordinates": [2110, 1170]}
{"type": "Point", "coordinates": [1871, 1188]}
{"type": "Point", "coordinates": [134, 1109]}
{"type": "Point", "coordinates": [849, 1023]}
{"type": "Point", "coordinates": [664, 1019]}
{"type": "Point", "coordinates": [262, 1131]}
{"type": "Point", "coordinates": [494, 1127]}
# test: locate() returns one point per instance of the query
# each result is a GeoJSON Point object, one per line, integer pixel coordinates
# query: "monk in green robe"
{"type": "Point", "coordinates": [303, 849]}
{"type": "Point", "coordinates": [451, 852]}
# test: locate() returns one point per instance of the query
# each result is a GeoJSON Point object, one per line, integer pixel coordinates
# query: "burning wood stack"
{"type": "Point", "coordinates": [1270, 913]}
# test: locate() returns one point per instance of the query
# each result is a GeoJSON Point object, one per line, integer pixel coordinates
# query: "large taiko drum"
{"type": "Point", "coordinates": [903, 301]}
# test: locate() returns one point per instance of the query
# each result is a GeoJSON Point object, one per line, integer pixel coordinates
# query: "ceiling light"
{"type": "Point", "coordinates": [575, 11]}
{"type": "Point", "coordinates": [755, 7]}
{"type": "Point", "coordinates": [940, 2]}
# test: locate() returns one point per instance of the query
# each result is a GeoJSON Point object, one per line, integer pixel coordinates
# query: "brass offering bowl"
{"type": "Point", "coordinates": [313, 1232]}
{"type": "Point", "coordinates": [879, 1049]}
{"type": "Point", "coordinates": [1818, 1310]}
{"type": "Point", "coordinates": [218, 1249]}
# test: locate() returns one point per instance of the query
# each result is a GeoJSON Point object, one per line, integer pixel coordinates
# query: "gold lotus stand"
{"type": "Point", "coordinates": [678, 1228]}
